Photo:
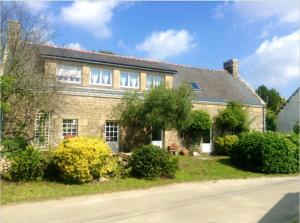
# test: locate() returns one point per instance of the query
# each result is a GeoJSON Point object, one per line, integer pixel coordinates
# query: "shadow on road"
{"type": "Point", "coordinates": [286, 210]}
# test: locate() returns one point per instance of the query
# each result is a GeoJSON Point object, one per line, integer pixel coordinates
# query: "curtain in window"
{"type": "Point", "coordinates": [95, 76]}
{"type": "Point", "coordinates": [133, 80]}
{"type": "Point", "coordinates": [124, 79]}
{"type": "Point", "coordinates": [106, 77]}
{"type": "Point", "coordinates": [157, 80]}
{"type": "Point", "coordinates": [149, 81]}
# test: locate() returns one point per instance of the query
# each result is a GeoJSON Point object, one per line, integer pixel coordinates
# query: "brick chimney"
{"type": "Point", "coordinates": [13, 33]}
{"type": "Point", "coordinates": [232, 66]}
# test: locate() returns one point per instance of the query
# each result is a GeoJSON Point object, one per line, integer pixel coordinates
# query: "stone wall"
{"type": "Point", "coordinates": [92, 112]}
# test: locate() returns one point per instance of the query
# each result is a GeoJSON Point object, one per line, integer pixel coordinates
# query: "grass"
{"type": "Point", "coordinates": [191, 169]}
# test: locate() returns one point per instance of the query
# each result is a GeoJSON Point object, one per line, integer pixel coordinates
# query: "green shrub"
{"type": "Point", "coordinates": [151, 162]}
{"type": "Point", "coordinates": [51, 171]}
{"type": "Point", "coordinates": [266, 152]}
{"type": "Point", "coordinates": [293, 137]}
{"type": "Point", "coordinates": [26, 164]}
{"type": "Point", "coordinates": [223, 145]}
{"type": "Point", "coordinates": [200, 120]}
{"type": "Point", "coordinates": [13, 144]}
{"type": "Point", "coordinates": [233, 119]}
{"type": "Point", "coordinates": [82, 159]}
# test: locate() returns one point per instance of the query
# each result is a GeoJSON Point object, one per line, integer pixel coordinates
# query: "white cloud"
{"type": "Point", "coordinates": [75, 46]}
{"type": "Point", "coordinates": [93, 16]}
{"type": "Point", "coordinates": [161, 45]}
{"type": "Point", "coordinates": [274, 63]}
{"type": "Point", "coordinates": [285, 12]}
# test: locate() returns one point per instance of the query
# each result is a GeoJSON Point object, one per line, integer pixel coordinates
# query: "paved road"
{"type": "Point", "coordinates": [253, 200]}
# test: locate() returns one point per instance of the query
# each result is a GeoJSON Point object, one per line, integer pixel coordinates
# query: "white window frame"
{"type": "Point", "coordinates": [100, 72]}
{"type": "Point", "coordinates": [152, 77]}
{"type": "Point", "coordinates": [61, 66]}
{"type": "Point", "coordinates": [108, 126]}
{"type": "Point", "coordinates": [45, 130]}
{"type": "Point", "coordinates": [69, 125]}
{"type": "Point", "coordinates": [129, 79]}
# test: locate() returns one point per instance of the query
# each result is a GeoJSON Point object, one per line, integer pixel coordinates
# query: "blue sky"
{"type": "Point", "coordinates": [264, 36]}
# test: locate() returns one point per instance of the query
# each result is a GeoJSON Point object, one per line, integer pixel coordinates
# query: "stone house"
{"type": "Point", "coordinates": [95, 82]}
{"type": "Point", "coordinates": [289, 114]}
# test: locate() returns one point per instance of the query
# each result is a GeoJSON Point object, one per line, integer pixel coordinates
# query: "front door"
{"type": "Point", "coordinates": [112, 135]}
{"type": "Point", "coordinates": [157, 138]}
{"type": "Point", "coordinates": [206, 142]}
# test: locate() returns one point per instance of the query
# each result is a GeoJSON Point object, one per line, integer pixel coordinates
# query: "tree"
{"type": "Point", "coordinates": [270, 121]}
{"type": "Point", "coordinates": [272, 97]}
{"type": "Point", "coordinates": [233, 119]}
{"type": "Point", "coordinates": [159, 108]}
{"type": "Point", "coordinates": [24, 84]}
{"type": "Point", "coordinates": [296, 127]}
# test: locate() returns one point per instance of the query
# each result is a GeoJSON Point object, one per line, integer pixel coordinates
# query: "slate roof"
{"type": "Point", "coordinates": [217, 86]}
{"type": "Point", "coordinates": [102, 58]}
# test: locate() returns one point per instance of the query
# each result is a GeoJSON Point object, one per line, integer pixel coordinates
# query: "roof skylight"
{"type": "Point", "coordinates": [195, 86]}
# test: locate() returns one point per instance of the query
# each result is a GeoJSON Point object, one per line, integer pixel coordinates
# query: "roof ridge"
{"type": "Point", "coordinates": [132, 57]}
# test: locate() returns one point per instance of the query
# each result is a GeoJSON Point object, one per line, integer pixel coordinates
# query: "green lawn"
{"type": "Point", "coordinates": [191, 169]}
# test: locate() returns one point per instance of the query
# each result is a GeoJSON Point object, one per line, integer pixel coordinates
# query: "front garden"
{"type": "Point", "coordinates": [86, 165]}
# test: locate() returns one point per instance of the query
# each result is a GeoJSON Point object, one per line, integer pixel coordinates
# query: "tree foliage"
{"type": "Point", "coordinates": [233, 119]}
{"type": "Point", "coordinates": [296, 127]}
{"type": "Point", "coordinates": [24, 83]}
{"type": "Point", "coordinates": [271, 121]}
{"type": "Point", "coordinates": [271, 97]}
{"type": "Point", "coordinates": [160, 108]}
{"type": "Point", "coordinates": [200, 120]}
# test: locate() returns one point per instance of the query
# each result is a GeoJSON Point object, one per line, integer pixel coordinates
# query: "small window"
{"type": "Point", "coordinates": [154, 80]}
{"type": "Point", "coordinates": [111, 131]}
{"type": "Point", "coordinates": [68, 73]}
{"type": "Point", "coordinates": [41, 133]}
{"type": "Point", "coordinates": [70, 127]}
{"type": "Point", "coordinates": [101, 76]}
{"type": "Point", "coordinates": [129, 80]}
{"type": "Point", "coordinates": [195, 86]}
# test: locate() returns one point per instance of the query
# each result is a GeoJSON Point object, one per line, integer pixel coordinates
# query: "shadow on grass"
{"type": "Point", "coordinates": [227, 162]}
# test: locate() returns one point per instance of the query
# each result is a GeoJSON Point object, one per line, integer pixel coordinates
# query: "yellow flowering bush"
{"type": "Point", "coordinates": [82, 159]}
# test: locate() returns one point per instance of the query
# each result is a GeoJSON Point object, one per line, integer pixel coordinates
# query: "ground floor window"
{"type": "Point", "coordinates": [41, 133]}
{"type": "Point", "coordinates": [70, 128]}
{"type": "Point", "coordinates": [196, 137]}
{"type": "Point", "coordinates": [111, 131]}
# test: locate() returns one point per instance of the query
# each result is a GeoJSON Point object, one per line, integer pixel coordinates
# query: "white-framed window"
{"type": "Point", "coordinates": [129, 80]}
{"type": "Point", "coordinates": [70, 128]}
{"type": "Point", "coordinates": [41, 131]}
{"type": "Point", "coordinates": [101, 76]}
{"type": "Point", "coordinates": [68, 73]}
{"type": "Point", "coordinates": [111, 131]}
{"type": "Point", "coordinates": [154, 80]}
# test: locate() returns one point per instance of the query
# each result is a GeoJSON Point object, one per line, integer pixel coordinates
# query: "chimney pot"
{"type": "Point", "coordinates": [232, 66]}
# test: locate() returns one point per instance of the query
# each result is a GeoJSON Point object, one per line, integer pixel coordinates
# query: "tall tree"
{"type": "Point", "coordinates": [272, 97]}
{"type": "Point", "coordinates": [24, 83]}
{"type": "Point", "coordinates": [159, 108]}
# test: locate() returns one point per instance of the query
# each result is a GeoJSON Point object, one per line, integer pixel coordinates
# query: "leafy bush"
{"type": "Point", "coordinates": [13, 144]}
{"type": "Point", "coordinates": [26, 164]}
{"type": "Point", "coordinates": [293, 137]}
{"type": "Point", "coordinates": [200, 120]}
{"type": "Point", "coordinates": [223, 145]}
{"type": "Point", "coordinates": [82, 159]}
{"type": "Point", "coordinates": [151, 162]}
{"type": "Point", "coordinates": [266, 152]}
{"type": "Point", "coordinates": [233, 119]}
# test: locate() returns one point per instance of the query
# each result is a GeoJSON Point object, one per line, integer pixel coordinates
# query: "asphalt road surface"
{"type": "Point", "coordinates": [263, 200]}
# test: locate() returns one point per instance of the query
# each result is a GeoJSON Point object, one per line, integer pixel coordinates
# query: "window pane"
{"type": "Point", "coordinates": [124, 79]}
{"type": "Point", "coordinates": [149, 81]}
{"type": "Point", "coordinates": [106, 77]}
{"type": "Point", "coordinates": [69, 73]}
{"type": "Point", "coordinates": [95, 75]}
{"type": "Point", "coordinates": [133, 80]}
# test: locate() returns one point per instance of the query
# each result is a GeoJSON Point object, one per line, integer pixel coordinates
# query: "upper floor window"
{"type": "Point", "coordinates": [129, 79]}
{"type": "Point", "coordinates": [101, 76]}
{"type": "Point", "coordinates": [69, 73]}
{"type": "Point", "coordinates": [195, 86]}
{"type": "Point", "coordinates": [154, 80]}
